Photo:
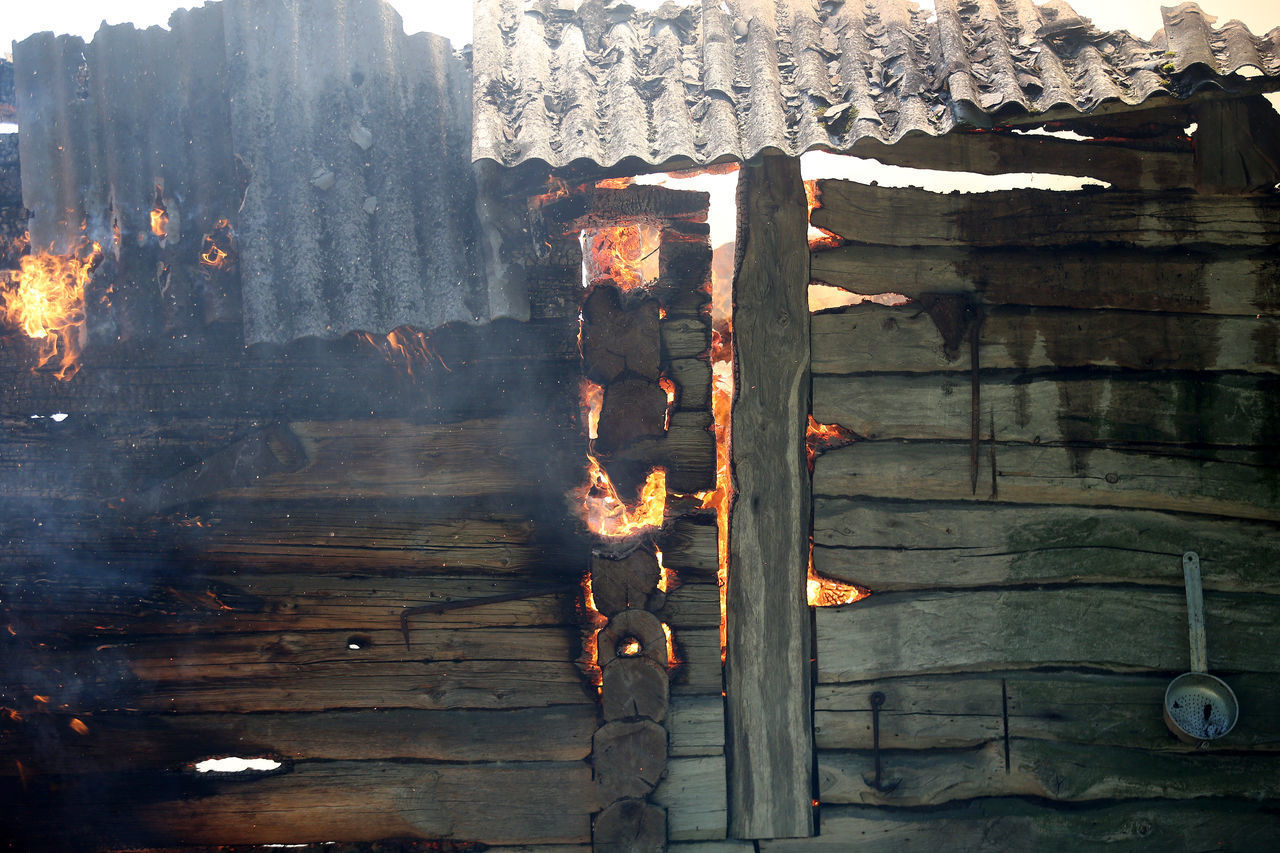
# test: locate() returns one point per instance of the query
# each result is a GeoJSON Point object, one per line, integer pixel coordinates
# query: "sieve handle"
{"type": "Point", "coordinates": [1195, 611]}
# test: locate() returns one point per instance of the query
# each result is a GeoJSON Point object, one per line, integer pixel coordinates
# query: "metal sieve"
{"type": "Point", "coordinates": [1198, 707]}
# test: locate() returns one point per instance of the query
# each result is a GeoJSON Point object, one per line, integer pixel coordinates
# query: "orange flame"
{"type": "Point", "coordinates": [79, 727]}
{"type": "Point", "coordinates": [159, 215]}
{"type": "Point", "coordinates": [593, 622]}
{"type": "Point", "coordinates": [403, 348]}
{"type": "Point", "coordinates": [672, 660]}
{"type": "Point", "coordinates": [820, 438]}
{"type": "Point", "coordinates": [557, 188]}
{"type": "Point", "coordinates": [825, 592]}
{"type": "Point", "coordinates": [670, 388]}
{"type": "Point", "coordinates": [819, 238]}
{"type": "Point", "coordinates": [615, 183]}
{"type": "Point", "coordinates": [627, 255]}
{"type": "Point", "coordinates": [215, 248]}
{"type": "Point", "coordinates": [668, 580]}
{"type": "Point", "coordinates": [44, 297]}
{"type": "Point", "coordinates": [591, 399]}
{"type": "Point", "coordinates": [609, 516]}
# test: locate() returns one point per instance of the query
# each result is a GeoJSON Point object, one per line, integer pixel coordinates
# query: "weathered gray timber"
{"type": "Point", "coordinates": [770, 734]}
{"type": "Point", "coordinates": [900, 545]}
{"type": "Point", "coordinates": [1214, 282]}
{"type": "Point", "coordinates": [893, 634]}
{"type": "Point", "coordinates": [693, 794]}
{"type": "Point", "coordinates": [966, 710]}
{"type": "Point", "coordinates": [1237, 146]}
{"type": "Point", "coordinates": [1226, 483]}
{"type": "Point", "coordinates": [1046, 408]}
{"type": "Point", "coordinates": [696, 726]}
{"type": "Point", "coordinates": [1038, 218]}
{"type": "Point", "coordinates": [1050, 771]}
{"type": "Point", "coordinates": [995, 825]}
{"type": "Point", "coordinates": [874, 338]}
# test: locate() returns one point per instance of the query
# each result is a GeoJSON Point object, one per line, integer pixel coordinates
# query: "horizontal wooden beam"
{"type": "Point", "coordinates": [998, 824]}
{"type": "Point", "coordinates": [909, 634]}
{"type": "Point", "coordinates": [1176, 281]}
{"type": "Point", "coordinates": [1229, 483]}
{"type": "Point", "coordinates": [966, 711]}
{"type": "Point", "coordinates": [906, 216]}
{"type": "Point", "coordinates": [1200, 409]}
{"type": "Point", "coordinates": [900, 545]}
{"type": "Point", "coordinates": [871, 338]}
{"type": "Point", "coordinates": [1001, 153]}
{"type": "Point", "coordinates": [515, 803]}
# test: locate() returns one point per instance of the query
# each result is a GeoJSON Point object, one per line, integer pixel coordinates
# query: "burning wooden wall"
{"type": "Point", "coordinates": [1082, 387]}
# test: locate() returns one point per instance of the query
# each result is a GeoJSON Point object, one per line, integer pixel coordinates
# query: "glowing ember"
{"type": "Point", "coordinates": [629, 648]}
{"type": "Point", "coordinates": [79, 727]}
{"type": "Point", "coordinates": [823, 437]}
{"type": "Point", "coordinates": [608, 515]}
{"type": "Point", "coordinates": [616, 183]}
{"type": "Point", "coordinates": [593, 621]}
{"type": "Point", "coordinates": [627, 255]}
{"type": "Point", "coordinates": [44, 298]}
{"type": "Point", "coordinates": [824, 592]}
{"type": "Point", "coordinates": [215, 248]}
{"type": "Point", "coordinates": [159, 215]}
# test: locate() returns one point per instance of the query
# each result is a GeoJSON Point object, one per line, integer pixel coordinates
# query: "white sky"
{"type": "Point", "coordinates": [452, 18]}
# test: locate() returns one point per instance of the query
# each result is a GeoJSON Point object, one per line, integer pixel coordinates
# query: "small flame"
{"type": "Point", "coordinates": [78, 727]}
{"type": "Point", "coordinates": [215, 248]}
{"type": "Point", "coordinates": [44, 297]}
{"type": "Point", "coordinates": [820, 438]}
{"type": "Point", "coordinates": [591, 399]}
{"type": "Point", "coordinates": [609, 516]}
{"type": "Point", "coordinates": [668, 580]}
{"type": "Point", "coordinates": [557, 188]}
{"type": "Point", "coordinates": [672, 660]}
{"type": "Point", "coordinates": [615, 183]}
{"type": "Point", "coordinates": [629, 648]}
{"type": "Point", "coordinates": [670, 388]}
{"type": "Point", "coordinates": [819, 238]}
{"type": "Point", "coordinates": [404, 348]}
{"type": "Point", "coordinates": [159, 215]}
{"type": "Point", "coordinates": [593, 621]}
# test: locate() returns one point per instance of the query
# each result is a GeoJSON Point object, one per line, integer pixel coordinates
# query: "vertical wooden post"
{"type": "Point", "coordinates": [767, 671]}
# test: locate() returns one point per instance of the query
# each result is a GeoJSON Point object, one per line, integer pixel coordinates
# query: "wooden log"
{"type": "Point", "coordinates": [628, 758]}
{"type": "Point", "coordinates": [543, 802]}
{"type": "Point", "coordinates": [1200, 409]}
{"type": "Point", "coordinates": [693, 793]}
{"type": "Point", "coordinates": [395, 459]}
{"type": "Point", "coordinates": [893, 216]}
{"type": "Point", "coordinates": [633, 410]}
{"type": "Point", "coordinates": [691, 605]}
{"type": "Point", "coordinates": [685, 337]}
{"type": "Point", "coordinates": [118, 606]}
{"type": "Point", "coordinates": [619, 335]}
{"type": "Point", "coordinates": [687, 452]}
{"type": "Point", "coordinates": [870, 338]}
{"type": "Point", "coordinates": [692, 377]}
{"type": "Point", "coordinates": [632, 633]}
{"type": "Point", "coordinates": [1235, 146]}
{"type": "Point", "coordinates": [990, 825]}
{"type": "Point", "coordinates": [1222, 483]}
{"type": "Point", "coordinates": [893, 634]}
{"type": "Point", "coordinates": [1216, 282]}
{"type": "Point", "coordinates": [899, 545]}
{"type": "Point", "coordinates": [1050, 771]}
{"type": "Point", "coordinates": [700, 670]}
{"type": "Point", "coordinates": [634, 687]}
{"type": "Point", "coordinates": [44, 742]}
{"type": "Point", "coordinates": [769, 709]}
{"type": "Point", "coordinates": [630, 826]}
{"type": "Point", "coordinates": [625, 583]}
{"type": "Point", "coordinates": [599, 206]}
{"type": "Point", "coordinates": [1001, 153]}
{"type": "Point", "coordinates": [689, 546]}
{"type": "Point", "coordinates": [696, 726]}
{"type": "Point", "coordinates": [965, 711]}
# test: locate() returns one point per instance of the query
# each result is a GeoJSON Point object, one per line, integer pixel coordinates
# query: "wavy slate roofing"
{"type": "Point", "coordinates": [559, 81]}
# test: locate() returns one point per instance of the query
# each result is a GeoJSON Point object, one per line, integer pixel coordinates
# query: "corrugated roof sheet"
{"type": "Point", "coordinates": [726, 79]}
{"type": "Point", "coordinates": [338, 146]}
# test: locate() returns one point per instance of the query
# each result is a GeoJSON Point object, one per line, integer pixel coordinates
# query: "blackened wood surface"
{"type": "Point", "coordinates": [770, 735]}
{"type": "Point", "coordinates": [915, 217]}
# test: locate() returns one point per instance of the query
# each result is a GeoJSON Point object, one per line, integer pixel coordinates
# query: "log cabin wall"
{"type": "Point", "coordinates": [209, 556]}
{"type": "Point", "coordinates": [1082, 387]}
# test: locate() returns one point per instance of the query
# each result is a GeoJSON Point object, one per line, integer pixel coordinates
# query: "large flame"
{"type": "Point", "coordinates": [608, 515]}
{"type": "Point", "coordinates": [44, 298]}
{"type": "Point", "coordinates": [627, 255]}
